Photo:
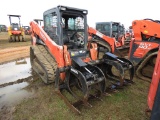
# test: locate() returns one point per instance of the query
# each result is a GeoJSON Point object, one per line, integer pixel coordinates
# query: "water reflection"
{"type": "Point", "coordinates": [15, 70]}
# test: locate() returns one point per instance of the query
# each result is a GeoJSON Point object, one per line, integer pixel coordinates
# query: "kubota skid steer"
{"type": "Point", "coordinates": [143, 49]}
{"type": "Point", "coordinates": [15, 30]}
{"type": "Point", "coordinates": [109, 44]}
{"type": "Point", "coordinates": [59, 54]}
{"type": "Point", "coordinates": [116, 31]}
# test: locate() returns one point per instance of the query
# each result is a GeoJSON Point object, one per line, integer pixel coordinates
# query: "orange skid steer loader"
{"type": "Point", "coordinates": [61, 54]}
{"type": "Point", "coordinates": [110, 36]}
{"type": "Point", "coordinates": [107, 43]}
{"type": "Point", "coordinates": [143, 49]}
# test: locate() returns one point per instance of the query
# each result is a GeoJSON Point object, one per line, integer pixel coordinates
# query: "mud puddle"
{"type": "Point", "coordinates": [15, 70]}
{"type": "Point", "coordinates": [13, 94]}
{"type": "Point", "coordinates": [14, 77]}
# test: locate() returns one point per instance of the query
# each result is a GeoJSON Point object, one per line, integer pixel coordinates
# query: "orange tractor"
{"type": "Point", "coordinates": [15, 30]}
{"type": "Point", "coordinates": [143, 49]}
{"type": "Point", "coordinates": [61, 54]}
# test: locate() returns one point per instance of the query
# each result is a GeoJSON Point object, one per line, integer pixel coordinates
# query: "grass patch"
{"type": "Point", "coordinates": [127, 104]}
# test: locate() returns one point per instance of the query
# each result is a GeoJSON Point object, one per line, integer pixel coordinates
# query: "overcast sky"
{"type": "Point", "coordinates": [124, 11]}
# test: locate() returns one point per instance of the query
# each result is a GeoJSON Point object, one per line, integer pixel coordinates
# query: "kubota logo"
{"type": "Point", "coordinates": [145, 45]}
{"type": "Point", "coordinates": [99, 34]}
{"type": "Point", "coordinates": [42, 35]}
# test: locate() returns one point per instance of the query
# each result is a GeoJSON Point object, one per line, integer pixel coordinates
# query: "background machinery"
{"type": "Point", "coordinates": [15, 30]}
{"type": "Point", "coordinates": [143, 50]}
{"type": "Point", "coordinates": [114, 30]}
{"type": "Point", "coordinates": [3, 28]}
{"type": "Point", "coordinates": [111, 29]}
{"type": "Point", "coordinates": [110, 36]}
{"type": "Point", "coordinates": [108, 44]}
{"type": "Point", "coordinates": [129, 35]}
{"type": "Point", "coordinates": [27, 30]}
{"type": "Point", "coordinates": [40, 22]}
{"type": "Point", "coordinates": [61, 53]}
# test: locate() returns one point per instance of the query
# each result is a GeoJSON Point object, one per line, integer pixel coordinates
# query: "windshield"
{"type": "Point", "coordinates": [107, 27]}
{"type": "Point", "coordinates": [15, 26]}
{"type": "Point", "coordinates": [74, 23]}
{"type": "Point", "coordinates": [73, 30]}
{"type": "Point", "coordinates": [114, 27]}
{"type": "Point", "coordinates": [103, 27]}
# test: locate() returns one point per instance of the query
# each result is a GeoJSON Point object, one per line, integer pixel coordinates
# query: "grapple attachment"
{"type": "Point", "coordinates": [120, 70]}
{"type": "Point", "coordinates": [82, 81]}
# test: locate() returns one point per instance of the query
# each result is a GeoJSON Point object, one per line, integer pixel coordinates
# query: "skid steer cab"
{"type": "Point", "coordinates": [60, 54]}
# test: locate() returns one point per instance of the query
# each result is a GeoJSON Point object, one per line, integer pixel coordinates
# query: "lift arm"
{"type": "Point", "coordinates": [147, 27]}
{"type": "Point", "coordinates": [111, 41]}
{"type": "Point", "coordinates": [39, 36]}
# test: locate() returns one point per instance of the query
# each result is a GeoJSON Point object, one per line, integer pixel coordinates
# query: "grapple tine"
{"type": "Point", "coordinates": [80, 83]}
{"type": "Point", "coordinates": [86, 103]}
{"type": "Point", "coordinates": [74, 109]}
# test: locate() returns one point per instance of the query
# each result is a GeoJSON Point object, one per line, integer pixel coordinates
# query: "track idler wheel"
{"type": "Point", "coordinates": [82, 84]}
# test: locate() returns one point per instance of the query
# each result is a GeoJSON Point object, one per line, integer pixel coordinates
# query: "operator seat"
{"type": "Point", "coordinates": [65, 37]}
{"type": "Point", "coordinates": [66, 40]}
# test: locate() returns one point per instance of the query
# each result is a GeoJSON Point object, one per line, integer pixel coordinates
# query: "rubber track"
{"type": "Point", "coordinates": [141, 66]}
{"type": "Point", "coordinates": [46, 62]}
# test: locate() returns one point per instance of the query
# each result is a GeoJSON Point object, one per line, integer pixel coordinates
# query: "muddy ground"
{"type": "Point", "coordinates": [10, 51]}
{"type": "Point", "coordinates": [15, 73]}
{"type": "Point", "coordinates": [23, 96]}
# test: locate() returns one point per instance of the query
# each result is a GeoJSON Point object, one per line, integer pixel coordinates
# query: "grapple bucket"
{"type": "Point", "coordinates": [82, 81]}
{"type": "Point", "coordinates": [117, 69]}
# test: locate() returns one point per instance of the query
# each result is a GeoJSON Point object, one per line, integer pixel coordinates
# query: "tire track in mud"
{"type": "Point", "coordinates": [28, 79]}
